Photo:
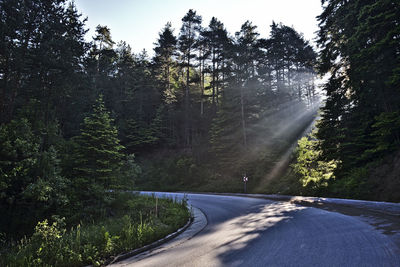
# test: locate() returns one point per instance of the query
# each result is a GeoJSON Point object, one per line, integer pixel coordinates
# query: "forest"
{"type": "Point", "coordinates": [78, 118]}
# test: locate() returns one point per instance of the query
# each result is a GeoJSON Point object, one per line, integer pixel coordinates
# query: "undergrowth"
{"type": "Point", "coordinates": [135, 222]}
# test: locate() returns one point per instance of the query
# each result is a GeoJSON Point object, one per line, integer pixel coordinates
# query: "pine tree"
{"type": "Point", "coordinates": [98, 157]}
{"type": "Point", "coordinates": [226, 146]}
{"type": "Point", "coordinates": [165, 50]}
{"type": "Point", "coordinates": [191, 23]}
{"type": "Point", "coordinates": [360, 120]}
{"type": "Point", "coordinates": [42, 51]}
{"type": "Point", "coordinates": [166, 72]}
{"type": "Point", "coordinates": [217, 42]}
{"type": "Point", "coordinates": [245, 71]}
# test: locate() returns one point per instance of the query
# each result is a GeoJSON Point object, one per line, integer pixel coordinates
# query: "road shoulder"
{"type": "Point", "coordinates": [198, 224]}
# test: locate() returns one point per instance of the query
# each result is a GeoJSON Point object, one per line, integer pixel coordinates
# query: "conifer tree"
{"type": "Point", "coordinates": [217, 41]}
{"type": "Point", "coordinates": [165, 50]}
{"type": "Point", "coordinates": [191, 23]}
{"type": "Point", "coordinates": [166, 73]}
{"type": "Point", "coordinates": [245, 70]}
{"type": "Point", "coordinates": [360, 120]}
{"type": "Point", "coordinates": [225, 132]}
{"type": "Point", "coordinates": [98, 156]}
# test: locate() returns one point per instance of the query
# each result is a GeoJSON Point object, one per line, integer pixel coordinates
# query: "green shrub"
{"type": "Point", "coordinates": [312, 171]}
{"type": "Point", "coordinates": [134, 224]}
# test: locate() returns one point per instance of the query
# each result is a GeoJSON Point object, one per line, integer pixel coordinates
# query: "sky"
{"type": "Point", "coordinates": [138, 22]}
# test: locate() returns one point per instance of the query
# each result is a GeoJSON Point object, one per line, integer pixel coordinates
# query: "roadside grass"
{"type": "Point", "coordinates": [138, 220]}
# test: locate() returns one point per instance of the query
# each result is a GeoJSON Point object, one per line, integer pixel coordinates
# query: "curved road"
{"type": "Point", "coordinates": [240, 231]}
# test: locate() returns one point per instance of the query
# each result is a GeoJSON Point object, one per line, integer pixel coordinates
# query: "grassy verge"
{"type": "Point", "coordinates": [138, 220]}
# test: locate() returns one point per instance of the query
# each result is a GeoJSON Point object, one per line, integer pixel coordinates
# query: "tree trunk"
{"type": "Point", "coordinates": [213, 78]}
{"type": "Point", "coordinates": [217, 84]}
{"type": "Point", "coordinates": [242, 117]}
{"type": "Point", "coordinates": [4, 93]}
{"type": "Point", "coordinates": [168, 79]}
{"type": "Point", "coordinates": [202, 64]}
{"type": "Point", "coordinates": [187, 105]}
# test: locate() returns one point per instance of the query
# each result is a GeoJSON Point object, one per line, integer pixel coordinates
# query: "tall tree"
{"type": "Point", "coordinates": [98, 156]}
{"type": "Point", "coordinates": [103, 38]}
{"type": "Point", "coordinates": [166, 71]}
{"type": "Point", "coordinates": [292, 59]}
{"type": "Point", "coordinates": [216, 38]}
{"type": "Point", "coordinates": [245, 59]}
{"type": "Point", "coordinates": [165, 51]}
{"type": "Point", "coordinates": [359, 49]}
{"type": "Point", "coordinates": [191, 23]}
{"type": "Point", "coordinates": [102, 62]}
{"type": "Point", "coordinates": [41, 40]}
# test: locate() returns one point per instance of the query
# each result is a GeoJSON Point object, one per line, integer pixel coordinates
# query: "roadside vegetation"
{"type": "Point", "coordinates": [77, 210]}
{"type": "Point", "coordinates": [132, 221]}
{"type": "Point", "coordinates": [354, 151]}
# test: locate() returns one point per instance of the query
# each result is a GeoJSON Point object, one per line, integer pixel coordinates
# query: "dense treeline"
{"type": "Point", "coordinates": [207, 107]}
{"type": "Point", "coordinates": [354, 152]}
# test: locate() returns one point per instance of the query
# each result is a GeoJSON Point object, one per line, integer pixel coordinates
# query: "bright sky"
{"type": "Point", "coordinates": [138, 22]}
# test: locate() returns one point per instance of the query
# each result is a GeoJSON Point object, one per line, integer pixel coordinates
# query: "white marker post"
{"type": "Point", "coordinates": [245, 179]}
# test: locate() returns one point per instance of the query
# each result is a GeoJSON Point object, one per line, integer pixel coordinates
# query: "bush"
{"type": "Point", "coordinates": [312, 171]}
{"type": "Point", "coordinates": [135, 224]}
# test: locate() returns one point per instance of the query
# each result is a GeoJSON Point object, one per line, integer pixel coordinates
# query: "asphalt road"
{"type": "Point", "coordinates": [240, 231]}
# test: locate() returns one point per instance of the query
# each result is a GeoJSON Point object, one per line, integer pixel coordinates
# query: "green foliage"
{"type": "Point", "coordinates": [49, 185]}
{"type": "Point", "coordinates": [354, 185]}
{"type": "Point", "coordinates": [164, 50]}
{"type": "Point", "coordinates": [130, 172]}
{"type": "Point", "coordinates": [186, 167]}
{"type": "Point", "coordinates": [29, 178]}
{"type": "Point", "coordinates": [142, 135]}
{"type": "Point", "coordinates": [19, 150]}
{"type": "Point", "coordinates": [313, 171]}
{"type": "Point", "coordinates": [93, 243]}
{"type": "Point", "coordinates": [98, 156]}
{"type": "Point", "coordinates": [385, 130]}
{"type": "Point", "coordinates": [360, 120]}
{"type": "Point", "coordinates": [226, 132]}
{"type": "Point", "coordinates": [171, 173]}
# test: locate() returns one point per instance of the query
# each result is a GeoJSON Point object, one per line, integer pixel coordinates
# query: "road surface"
{"type": "Point", "coordinates": [240, 231]}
